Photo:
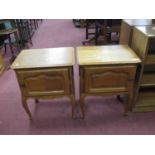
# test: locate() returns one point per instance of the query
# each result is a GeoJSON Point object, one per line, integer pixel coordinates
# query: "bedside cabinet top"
{"type": "Point", "coordinates": [100, 55]}
{"type": "Point", "coordinates": [147, 30]}
{"type": "Point", "coordinates": [47, 57]}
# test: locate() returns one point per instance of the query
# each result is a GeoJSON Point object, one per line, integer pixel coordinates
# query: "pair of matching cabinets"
{"type": "Point", "coordinates": [103, 70]}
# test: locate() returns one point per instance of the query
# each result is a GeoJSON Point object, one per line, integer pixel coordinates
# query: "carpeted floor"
{"type": "Point", "coordinates": [103, 114]}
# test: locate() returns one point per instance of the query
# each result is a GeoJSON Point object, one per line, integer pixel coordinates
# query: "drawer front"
{"type": "Point", "coordinates": [44, 82]}
{"type": "Point", "coordinates": [108, 79]}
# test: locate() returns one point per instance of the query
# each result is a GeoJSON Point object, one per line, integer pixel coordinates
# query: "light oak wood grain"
{"type": "Point", "coordinates": [143, 43]}
{"type": "Point", "coordinates": [36, 58]}
{"type": "Point", "coordinates": [114, 54]}
{"type": "Point", "coordinates": [127, 29]}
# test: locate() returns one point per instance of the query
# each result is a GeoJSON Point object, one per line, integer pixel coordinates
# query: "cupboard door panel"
{"type": "Point", "coordinates": [108, 79]}
{"type": "Point", "coordinates": [45, 82]}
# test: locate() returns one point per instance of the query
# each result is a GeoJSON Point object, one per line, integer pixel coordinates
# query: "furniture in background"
{"type": "Point", "coordinates": [44, 74]}
{"type": "Point", "coordinates": [110, 27]}
{"type": "Point", "coordinates": [96, 28]}
{"type": "Point", "coordinates": [26, 29]}
{"type": "Point", "coordinates": [143, 43]}
{"type": "Point", "coordinates": [106, 70]}
{"type": "Point", "coordinates": [9, 36]}
{"type": "Point", "coordinates": [79, 22]}
{"type": "Point", "coordinates": [2, 65]}
{"type": "Point", "coordinates": [127, 29]}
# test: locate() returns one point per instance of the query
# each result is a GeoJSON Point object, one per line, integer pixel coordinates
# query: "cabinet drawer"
{"type": "Point", "coordinates": [108, 79]}
{"type": "Point", "coordinates": [44, 82]}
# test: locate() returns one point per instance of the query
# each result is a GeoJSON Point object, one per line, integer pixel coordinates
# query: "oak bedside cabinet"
{"type": "Point", "coordinates": [44, 74]}
{"type": "Point", "coordinates": [127, 28]}
{"type": "Point", "coordinates": [106, 70]}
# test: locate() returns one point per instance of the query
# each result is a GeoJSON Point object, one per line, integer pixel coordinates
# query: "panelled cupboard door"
{"type": "Point", "coordinates": [44, 82]}
{"type": "Point", "coordinates": [108, 79]}
{"type": "Point", "coordinates": [2, 66]}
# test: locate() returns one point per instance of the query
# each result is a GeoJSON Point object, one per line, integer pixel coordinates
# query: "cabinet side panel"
{"type": "Point", "coordinates": [125, 33]}
{"type": "Point", "coordinates": [139, 43]}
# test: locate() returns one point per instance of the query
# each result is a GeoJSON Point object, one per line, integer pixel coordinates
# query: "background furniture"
{"type": "Point", "coordinates": [94, 28]}
{"type": "Point", "coordinates": [106, 70]}
{"type": "Point", "coordinates": [45, 73]}
{"type": "Point", "coordinates": [112, 26]}
{"type": "Point", "coordinates": [143, 43]}
{"type": "Point", "coordinates": [26, 29]}
{"type": "Point", "coordinates": [79, 22]}
{"type": "Point", "coordinates": [9, 36]}
{"type": "Point", "coordinates": [127, 29]}
{"type": "Point", "coordinates": [97, 28]}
